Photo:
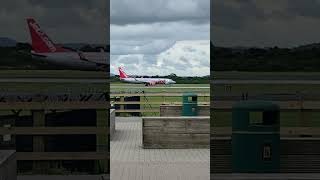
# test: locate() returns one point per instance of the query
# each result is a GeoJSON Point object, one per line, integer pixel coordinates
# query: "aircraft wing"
{"type": "Point", "coordinates": [101, 62]}
{"type": "Point", "coordinates": [99, 58]}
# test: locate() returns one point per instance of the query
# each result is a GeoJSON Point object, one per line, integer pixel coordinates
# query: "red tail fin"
{"type": "Point", "coordinates": [41, 43]}
{"type": "Point", "coordinates": [122, 74]}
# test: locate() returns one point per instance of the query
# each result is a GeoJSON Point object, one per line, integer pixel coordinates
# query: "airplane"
{"type": "Point", "coordinates": [147, 81]}
{"type": "Point", "coordinates": [44, 48]}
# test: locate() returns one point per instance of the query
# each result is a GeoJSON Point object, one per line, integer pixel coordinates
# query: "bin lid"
{"type": "Point", "coordinates": [189, 94]}
{"type": "Point", "coordinates": [256, 105]}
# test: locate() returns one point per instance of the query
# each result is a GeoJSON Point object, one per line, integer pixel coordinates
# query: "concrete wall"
{"type": "Point", "coordinates": [176, 132]}
{"type": "Point", "coordinates": [8, 165]}
{"type": "Point", "coordinates": [176, 110]}
{"type": "Point", "coordinates": [112, 122]}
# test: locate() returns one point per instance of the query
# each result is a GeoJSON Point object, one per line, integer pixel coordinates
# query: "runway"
{"type": "Point", "coordinates": [160, 87]}
{"type": "Point", "coordinates": [52, 80]}
{"type": "Point", "coordinates": [276, 78]}
{"type": "Point", "coordinates": [272, 76]}
{"type": "Point", "coordinates": [256, 81]}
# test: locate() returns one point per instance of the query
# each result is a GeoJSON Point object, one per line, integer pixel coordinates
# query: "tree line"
{"type": "Point", "coordinates": [302, 58]}
{"type": "Point", "coordinates": [178, 79]}
{"type": "Point", "coordinates": [19, 57]}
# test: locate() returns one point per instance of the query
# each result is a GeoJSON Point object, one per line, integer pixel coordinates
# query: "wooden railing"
{"type": "Point", "coordinates": [290, 105]}
{"type": "Point", "coordinates": [39, 130]}
{"type": "Point", "coordinates": [163, 95]}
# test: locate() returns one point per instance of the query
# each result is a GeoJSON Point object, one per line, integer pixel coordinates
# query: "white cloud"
{"type": "Point", "coordinates": [143, 35]}
{"type": "Point", "coordinates": [184, 58]}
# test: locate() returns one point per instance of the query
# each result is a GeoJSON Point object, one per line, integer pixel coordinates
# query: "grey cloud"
{"type": "Point", "coordinates": [283, 23]}
{"type": "Point", "coordinates": [236, 13]}
{"type": "Point", "coordinates": [184, 59]}
{"type": "Point", "coordinates": [170, 31]}
{"type": "Point", "coordinates": [309, 8]}
{"type": "Point", "coordinates": [65, 4]}
{"type": "Point", "coordinates": [189, 49]}
{"type": "Point", "coordinates": [64, 21]}
{"type": "Point", "coordinates": [131, 60]}
{"type": "Point", "coordinates": [123, 47]}
{"type": "Point", "coordinates": [149, 60]}
{"type": "Point", "coordinates": [150, 11]}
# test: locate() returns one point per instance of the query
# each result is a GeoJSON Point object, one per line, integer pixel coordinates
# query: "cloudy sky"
{"type": "Point", "coordinates": [283, 23]}
{"type": "Point", "coordinates": [159, 37]}
{"type": "Point", "coordinates": [65, 21]}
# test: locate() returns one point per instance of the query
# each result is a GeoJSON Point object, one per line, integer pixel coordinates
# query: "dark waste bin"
{"type": "Point", "coordinates": [255, 137]}
{"type": "Point", "coordinates": [189, 104]}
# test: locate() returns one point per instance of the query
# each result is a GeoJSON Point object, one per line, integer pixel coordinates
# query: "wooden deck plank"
{"type": "Point", "coordinates": [130, 161]}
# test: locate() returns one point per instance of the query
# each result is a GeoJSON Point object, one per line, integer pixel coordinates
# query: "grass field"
{"type": "Point", "coordinates": [52, 87]}
{"type": "Point", "coordinates": [52, 74]}
{"type": "Point", "coordinates": [138, 88]}
{"type": "Point", "coordinates": [125, 87]}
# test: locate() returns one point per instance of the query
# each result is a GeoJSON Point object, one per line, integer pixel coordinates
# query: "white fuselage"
{"type": "Point", "coordinates": [148, 81]}
{"type": "Point", "coordinates": [89, 60]}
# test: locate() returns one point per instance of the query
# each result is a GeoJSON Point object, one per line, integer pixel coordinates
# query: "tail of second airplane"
{"type": "Point", "coordinates": [122, 74]}
{"type": "Point", "coordinates": [41, 43]}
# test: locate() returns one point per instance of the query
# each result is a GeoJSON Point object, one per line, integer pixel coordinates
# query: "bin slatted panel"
{"type": "Point", "coordinates": [303, 146]}
{"type": "Point", "coordinates": [300, 163]}
{"type": "Point", "coordinates": [220, 147]}
{"type": "Point", "coordinates": [300, 155]}
{"type": "Point", "coordinates": [297, 155]}
{"type": "Point", "coordinates": [220, 155]}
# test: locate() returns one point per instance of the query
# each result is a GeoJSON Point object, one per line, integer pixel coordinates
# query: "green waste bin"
{"type": "Point", "coordinates": [255, 137]}
{"type": "Point", "coordinates": [189, 104]}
